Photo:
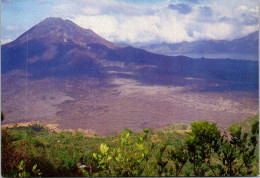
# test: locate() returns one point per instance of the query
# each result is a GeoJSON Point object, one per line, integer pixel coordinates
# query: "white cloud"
{"type": "Point", "coordinates": [11, 27]}
{"type": "Point", "coordinates": [249, 29]}
{"type": "Point", "coordinates": [242, 8]}
{"type": "Point", "coordinates": [218, 31]}
{"type": "Point", "coordinates": [6, 40]}
{"type": "Point", "coordinates": [104, 25]}
{"type": "Point", "coordinates": [137, 23]}
{"type": "Point", "coordinates": [91, 11]}
{"type": "Point", "coordinates": [254, 10]}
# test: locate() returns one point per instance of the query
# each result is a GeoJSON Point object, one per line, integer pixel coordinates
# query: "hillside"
{"type": "Point", "coordinates": [62, 74]}
{"type": "Point", "coordinates": [162, 152]}
{"type": "Point", "coordinates": [60, 47]}
{"type": "Point", "coordinates": [244, 45]}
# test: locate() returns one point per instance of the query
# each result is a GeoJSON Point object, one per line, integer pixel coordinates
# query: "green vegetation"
{"type": "Point", "coordinates": [199, 149]}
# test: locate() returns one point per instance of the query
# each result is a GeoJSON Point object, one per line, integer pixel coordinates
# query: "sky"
{"type": "Point", "coordinates": [138, 22]}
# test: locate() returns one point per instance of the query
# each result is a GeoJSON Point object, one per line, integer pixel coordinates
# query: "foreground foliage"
{"type": "Point", "coordinates": [201, 149]}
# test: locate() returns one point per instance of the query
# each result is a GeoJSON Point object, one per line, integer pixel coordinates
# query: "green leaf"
{"type": "Point", "coordinates": [146, 130]}
{"type": "Point", "coordinates": [95, 155]}
{"type": "Point", "coordinates": [103, 148]}
{"type": "Point", "coordinates": [109, 158]}
{"type": "Point", "coordinates": [127, 135]}
{"type": "Point", "coordinates": [117, 159]}
{"type": "Point", "coordinates": [21, 165]}
{"type": "Point", "coordinates": [34, 168]}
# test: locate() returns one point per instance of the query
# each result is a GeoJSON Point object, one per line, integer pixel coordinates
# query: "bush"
{"type": "Point", "coordinates": [203, 151]}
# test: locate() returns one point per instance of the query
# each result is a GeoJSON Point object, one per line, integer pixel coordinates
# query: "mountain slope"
{"type": "Point", "coordinates": [57, 47]}
{"type": "Point", "coordinates": [56, 30]}
{"type": "Point", "coordinates": [244, 45]}
{"type": "Point", "coordinates": [62, 74]}
{"type": "Point", "coordinates": [53, 46]}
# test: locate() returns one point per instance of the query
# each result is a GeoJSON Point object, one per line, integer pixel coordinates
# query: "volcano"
{"type": "Point", "coordinates": [57, 47]}
{"type": "Point", "coordinates": [61, 73]}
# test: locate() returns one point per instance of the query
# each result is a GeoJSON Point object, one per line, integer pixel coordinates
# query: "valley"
{"type": "Point", "coordinates": [61, 74]}
{"type": "Point", "coordinates": [109, 106]}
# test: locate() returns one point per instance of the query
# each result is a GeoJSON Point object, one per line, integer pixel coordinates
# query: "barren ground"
{"type": "Point", "coordinates": [106, 107]}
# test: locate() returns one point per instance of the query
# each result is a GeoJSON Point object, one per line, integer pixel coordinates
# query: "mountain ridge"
{"type": "Point", "coordinates": [64, 31]}
{"type": "Point", "coordinates": [246, 44]}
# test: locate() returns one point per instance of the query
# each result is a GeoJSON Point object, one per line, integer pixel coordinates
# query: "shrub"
{"type": "Point", "coordinates": [203, 151]}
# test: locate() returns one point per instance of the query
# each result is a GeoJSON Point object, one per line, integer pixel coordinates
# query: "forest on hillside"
{"type": "Point", "coordinates": [198, 149]}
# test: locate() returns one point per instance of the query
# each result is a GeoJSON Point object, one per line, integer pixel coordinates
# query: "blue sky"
{"type": "Point", "coordinates": [138, 21]}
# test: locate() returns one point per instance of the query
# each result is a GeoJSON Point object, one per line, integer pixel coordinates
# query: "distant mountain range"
{"type": "Point", "coordinates": [244, 45]}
